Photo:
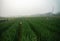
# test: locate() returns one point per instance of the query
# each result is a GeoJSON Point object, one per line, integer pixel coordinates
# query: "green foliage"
{"type": "Point", "coordinates": [9, 34]}
{"type": "Point", "coordinates": [31, 29]}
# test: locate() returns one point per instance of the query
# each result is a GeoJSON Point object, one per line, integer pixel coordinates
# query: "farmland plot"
{"type": "Point", "coordinates": [31, 29]}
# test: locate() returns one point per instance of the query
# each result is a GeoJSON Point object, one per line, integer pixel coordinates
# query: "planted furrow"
{"type": "Point", "coordinates": [27, 33]}
{"type": "Point", "coordinates": [18, 33]}
{"type": "Point", "coordinates": [5, 27]}
{"type": "Point", "coordinates": [10, 33]}
{"type": "Point", "coordinates": [35, 31]}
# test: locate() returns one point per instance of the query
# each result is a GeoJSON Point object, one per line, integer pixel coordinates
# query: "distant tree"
{"type": "Point", "coordinates": [58, 14]}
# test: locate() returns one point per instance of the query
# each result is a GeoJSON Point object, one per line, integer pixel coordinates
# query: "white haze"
{"type": "Point", "coordinates": [10, 8]}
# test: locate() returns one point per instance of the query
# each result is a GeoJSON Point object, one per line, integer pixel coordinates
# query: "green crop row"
{"type": "Point", "coordinates": [46, 29]}
{"type": "Point", "coordinates": [27, 33]}
{"type": "Point", "coordinates": [5, 26]}
{"type": "Point", "coordinates": [9, 34]}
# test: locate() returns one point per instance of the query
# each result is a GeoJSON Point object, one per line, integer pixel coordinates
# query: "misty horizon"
{"type": "Point", "coordinates": [11, 8]}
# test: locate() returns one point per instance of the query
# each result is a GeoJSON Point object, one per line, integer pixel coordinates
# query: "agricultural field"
{"type": "Point", "coordinates": [30, 29]}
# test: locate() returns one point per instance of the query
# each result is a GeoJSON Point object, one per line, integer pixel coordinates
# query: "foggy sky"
{"type": "Point", "coordinates": [27, 7]}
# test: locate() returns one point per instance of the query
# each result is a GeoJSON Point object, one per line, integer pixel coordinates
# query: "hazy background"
{"type": "Point", "coordinates": [9, 8]}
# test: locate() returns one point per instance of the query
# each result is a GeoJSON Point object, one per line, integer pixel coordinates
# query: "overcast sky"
{"type": "Point", "coordinates": [27, 7]}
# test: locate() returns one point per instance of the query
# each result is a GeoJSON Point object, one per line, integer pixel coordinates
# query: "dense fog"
{"type": "Point", "coordinates": [28, 7]}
